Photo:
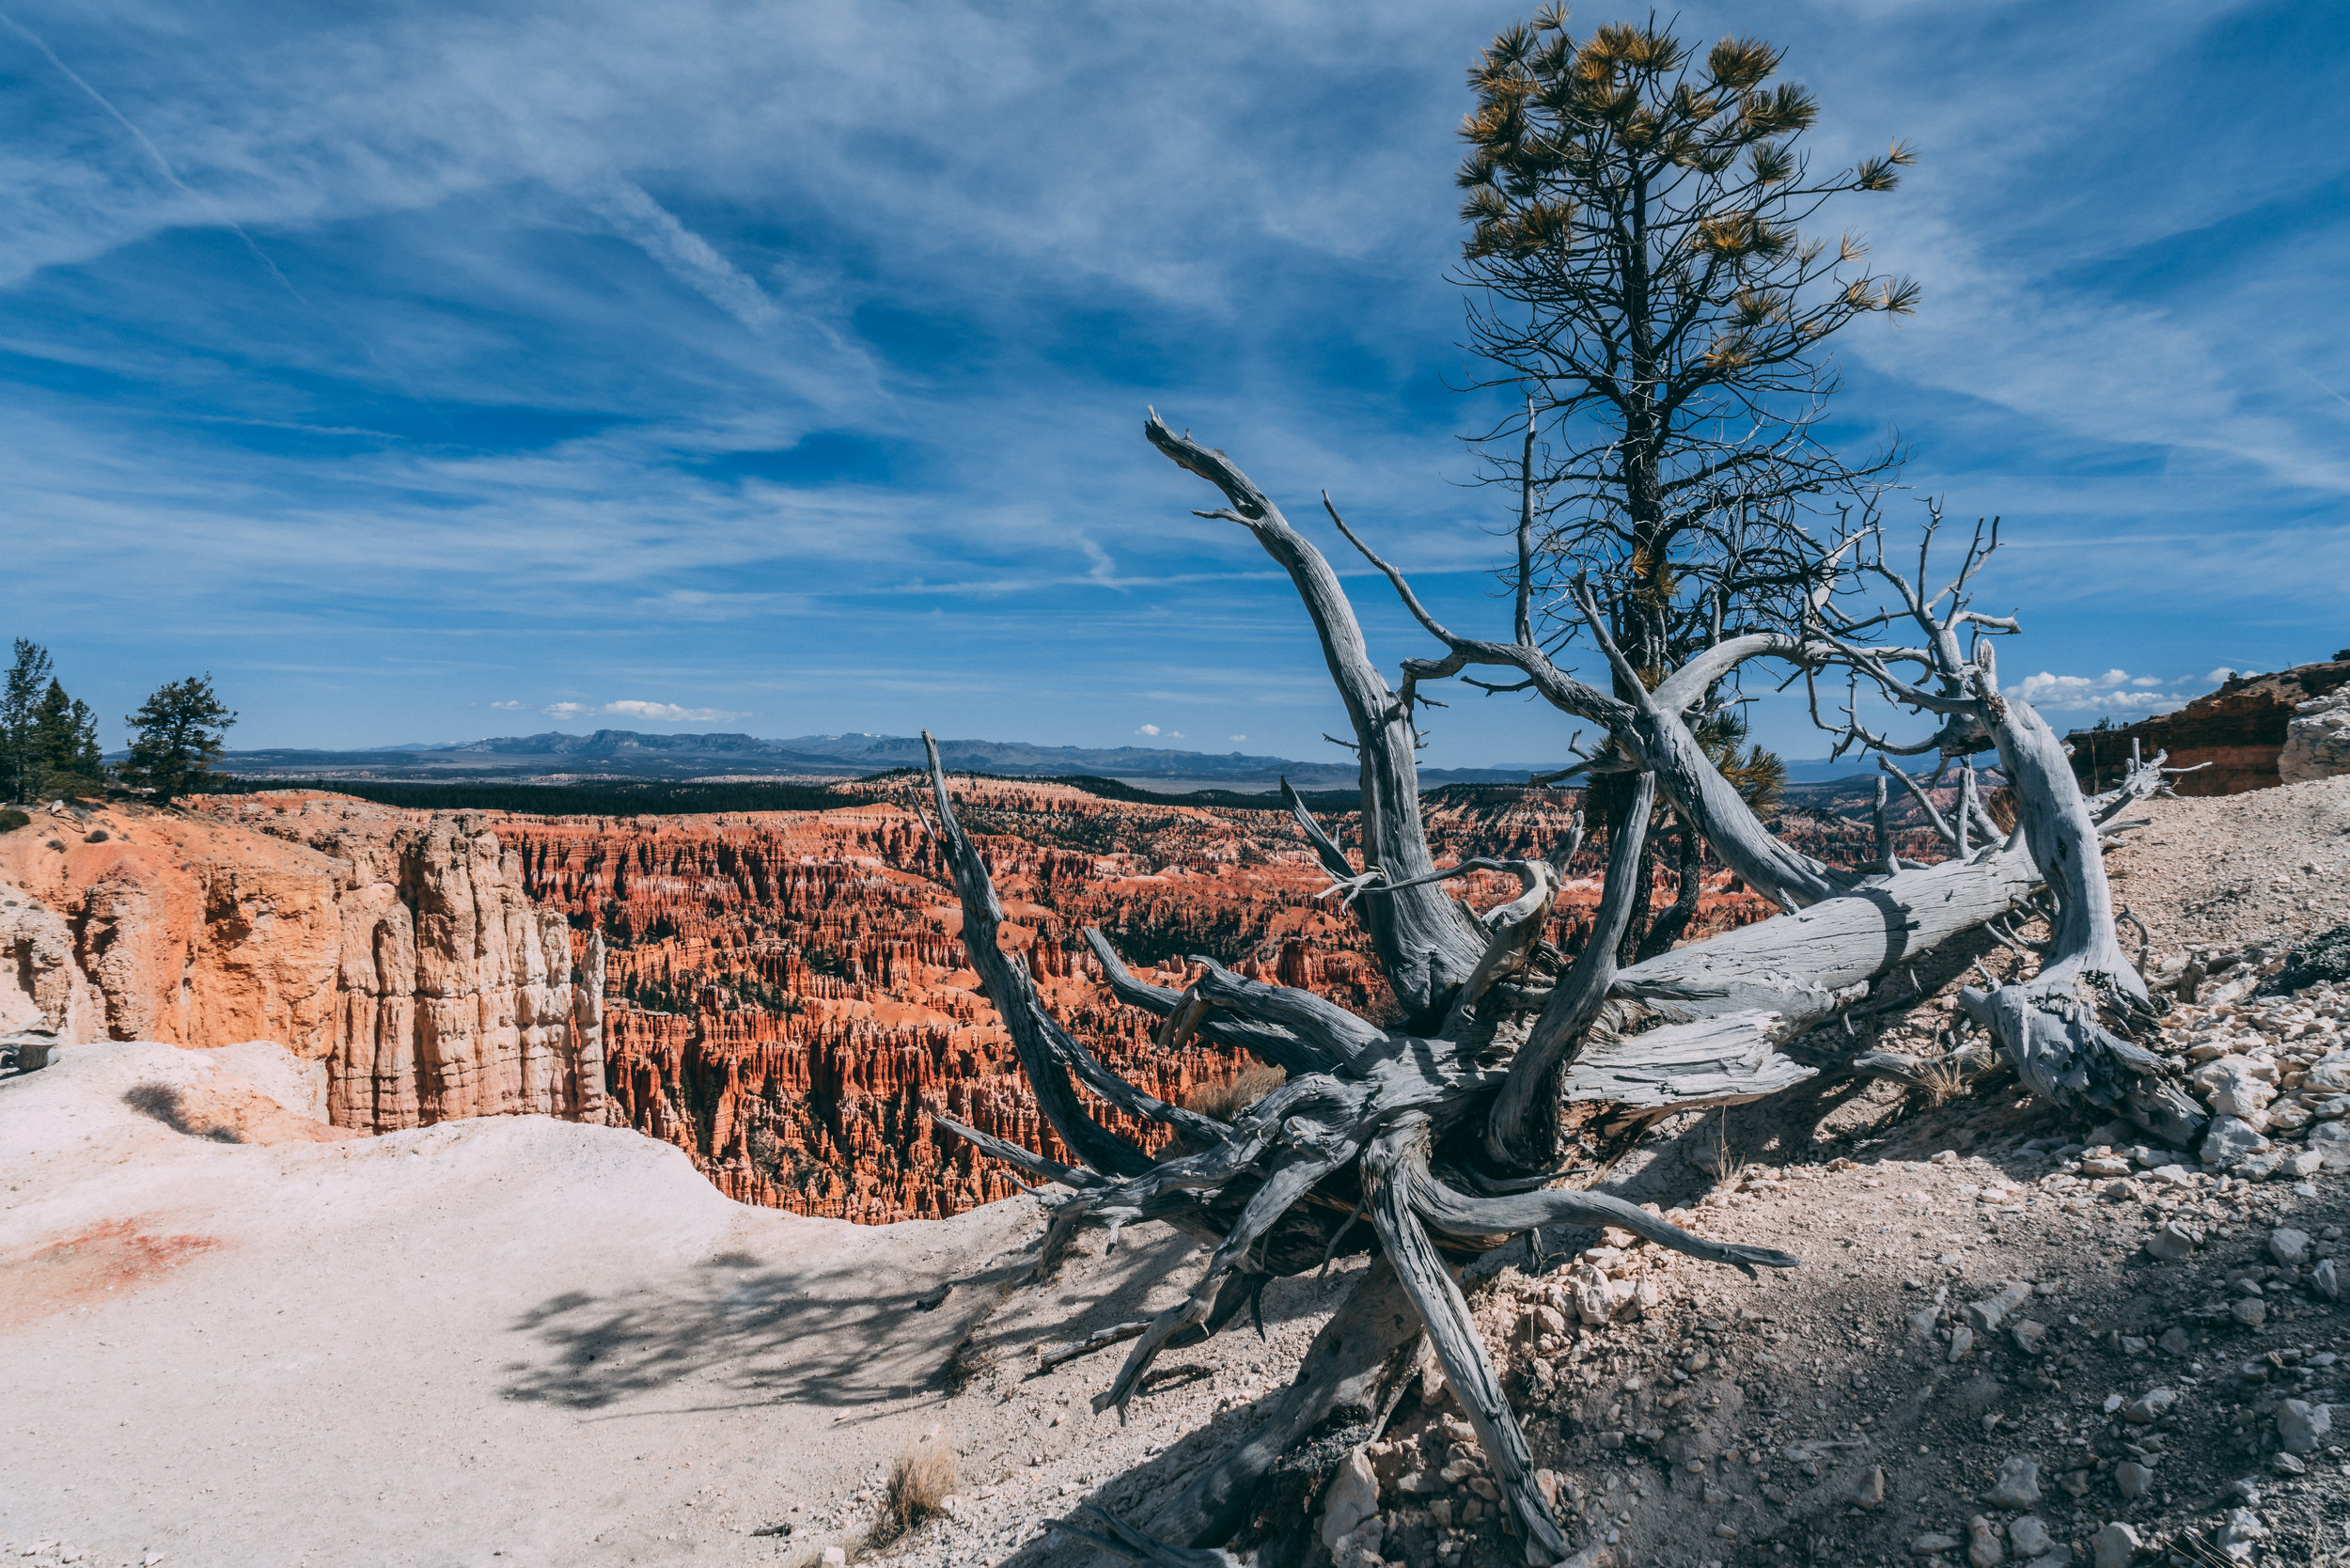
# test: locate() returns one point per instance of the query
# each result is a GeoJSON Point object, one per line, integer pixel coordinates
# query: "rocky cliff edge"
{"type": "Point", "coordinates": [394, 953]}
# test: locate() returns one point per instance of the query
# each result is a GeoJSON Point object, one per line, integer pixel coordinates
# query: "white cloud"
{"type": "Point", "coordinates": [657, 712]}
{"type": "Point", "coordinates": [2213, 677]}
{"type": "Point", "coordinates": [1235, 737]}
{"type": "Point", "coordinates": [1148, 730]}
{"type": "Point", "coordinates": [2115, 690]}
{"type": "Point", "coordinates": [669, 712]}
{"type": "Point", "coordinates": [510, 207]}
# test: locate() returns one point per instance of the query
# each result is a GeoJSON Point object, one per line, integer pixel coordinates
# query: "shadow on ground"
{"type": "Point", "coordinates": [836, 1339]}
{"type": "Point", "coordinates": [169, 1106]}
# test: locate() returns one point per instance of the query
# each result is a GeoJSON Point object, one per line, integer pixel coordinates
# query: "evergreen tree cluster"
{"type": "Point", "coordinates": [49, 740]}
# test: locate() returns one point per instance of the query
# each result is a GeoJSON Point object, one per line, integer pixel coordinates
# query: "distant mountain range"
{"type": "Point", "coordinates": [629, 754]}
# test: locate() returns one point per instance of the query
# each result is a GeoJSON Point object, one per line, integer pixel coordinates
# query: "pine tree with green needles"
{"type": "Point", "coordinates": [64, 746]}
{"type": "Point", "coordinates": [176, 738]}
{"type": "Point", "coordinates": [20, 703]}
{"type": "Point", "coordinates": [1640, 282]}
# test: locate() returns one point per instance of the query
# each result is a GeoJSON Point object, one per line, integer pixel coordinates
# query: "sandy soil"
{"type": "Point", "coordinates": [500, 1340]}
{"type": "Point", "coordinates": [530, 1342]}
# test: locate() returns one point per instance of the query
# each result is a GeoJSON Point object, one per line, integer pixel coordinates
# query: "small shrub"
{"type": "Point", "coordinates": [167, 1105]}
{"type": "Point", "coordinates": [969, 1360]}
{"type": "Point", "coordinates": [1729, 1168]}
{"type": "Point", "coordinates": [11, 819]}
{"type": "Point", "coordinates": [920, 1479]}
{"type": "Point", "coordinates": [1943, 1080]}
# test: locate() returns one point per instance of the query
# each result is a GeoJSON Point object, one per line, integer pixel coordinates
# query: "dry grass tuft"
{"type": "Point", "coordinates": [1729, 1169]}
{"type": "Point", "coordinates": [1227, 1100]}
{"type": "Point", "coordinates": [1943, 1081]}
{"type": "Point", "coordinates": [920, 1478]}
{"type": "Point", "coordinates": [968, 1361]}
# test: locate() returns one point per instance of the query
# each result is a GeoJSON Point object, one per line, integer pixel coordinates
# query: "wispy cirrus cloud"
{"type": "Point", "coordinates": [656, 230]}
{"type": "Point", "coordinates": [794, 359]}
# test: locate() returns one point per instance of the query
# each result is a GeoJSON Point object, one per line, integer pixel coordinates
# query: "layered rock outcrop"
{"type": "Point", "coordinates": [180, 930]}
{"type": "Point", "coordinates": [2317, 739]}
{"type": "Point", "coordinates": [43, 994]}
{"type": "Point", "coordinates": [398, 950]}
{"type": "Point", "coordinates": [2235, 738]}
{"type": "Point", "coordinates": [790, 1001]}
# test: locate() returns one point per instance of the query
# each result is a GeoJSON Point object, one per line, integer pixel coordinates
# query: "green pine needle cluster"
{"type": "Point", "coordinates": [1565, 129]}
{"type": "Point", "coordinates": [1760, 776]}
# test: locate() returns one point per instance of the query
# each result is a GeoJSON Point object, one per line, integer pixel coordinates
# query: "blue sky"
{"type": "Point", "coordinates": [433, 371]}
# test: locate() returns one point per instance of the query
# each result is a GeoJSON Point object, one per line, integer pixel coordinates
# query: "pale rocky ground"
{"type": "Point", "coordinates": [518, 1340]}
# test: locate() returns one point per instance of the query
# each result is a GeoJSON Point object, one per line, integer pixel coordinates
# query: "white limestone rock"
{"type": "Point", "coordinates": [2234, 1087]}
{"type": "Point", "coordinates": [2232, 1141]}
{"type": "Point", "coordinates": [1353, 1497]}
{"type": "Point", "coordinates": [2317, 739]}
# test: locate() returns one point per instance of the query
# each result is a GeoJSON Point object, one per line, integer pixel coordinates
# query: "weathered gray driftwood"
{"type": "Point", "coordinates": [1281, 1189]}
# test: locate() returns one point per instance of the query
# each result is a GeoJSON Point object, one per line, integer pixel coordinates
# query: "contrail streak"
{"type": "Point", "coordinates": [163, 164]}
{"type": "Point", "coordinates": [2323, 387]}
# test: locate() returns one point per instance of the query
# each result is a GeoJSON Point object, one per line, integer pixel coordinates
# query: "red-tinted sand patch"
{"type": "Point", "coordinates": [117, 1256]}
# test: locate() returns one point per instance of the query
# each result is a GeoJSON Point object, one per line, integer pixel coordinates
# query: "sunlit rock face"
{"type": "Point", "coordinates": [456, 992]}
{"type": "Point", "coordinates": [783, 995]}
{"type": "Point", "coordinates": [788, 1001]}
{"type": "Point", "coordinates": [396, 950]}
{"type": "Point", "coordinates": [180, 928]}
{"type": "Point", "coordinates": [2317, 741]}
{"type": "Point", "coordinates": [2235, 738]}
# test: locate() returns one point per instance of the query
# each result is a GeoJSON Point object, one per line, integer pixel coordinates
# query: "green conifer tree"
{"type": "Point", "coordinates": [65, 744]}
{"type": "Point", "coordinates": [19, 700]}
{"type": "Point", "coordinates": [176, 738]}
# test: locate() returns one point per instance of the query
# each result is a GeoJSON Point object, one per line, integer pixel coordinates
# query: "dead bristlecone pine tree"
{"type": "Point", "coordinates": [1677, 564]}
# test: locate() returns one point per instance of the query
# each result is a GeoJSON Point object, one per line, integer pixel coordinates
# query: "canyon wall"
{"type": "Point", "coordinates": [782, 995]}
{"type": "Point", "coordinates": [43, 992]}
{"type": "Point", "coordinates": [2233, 737]}
{"type": "Point", "coordinates": [396, 950]}
{"type": "Point", "coordinates": [790, 1002]}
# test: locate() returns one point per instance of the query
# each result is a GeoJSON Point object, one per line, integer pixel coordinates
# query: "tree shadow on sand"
{"type": "Point", "coordinates": [835, 1339]}
{"type": "Point", "coordinates": [839, 1339]}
